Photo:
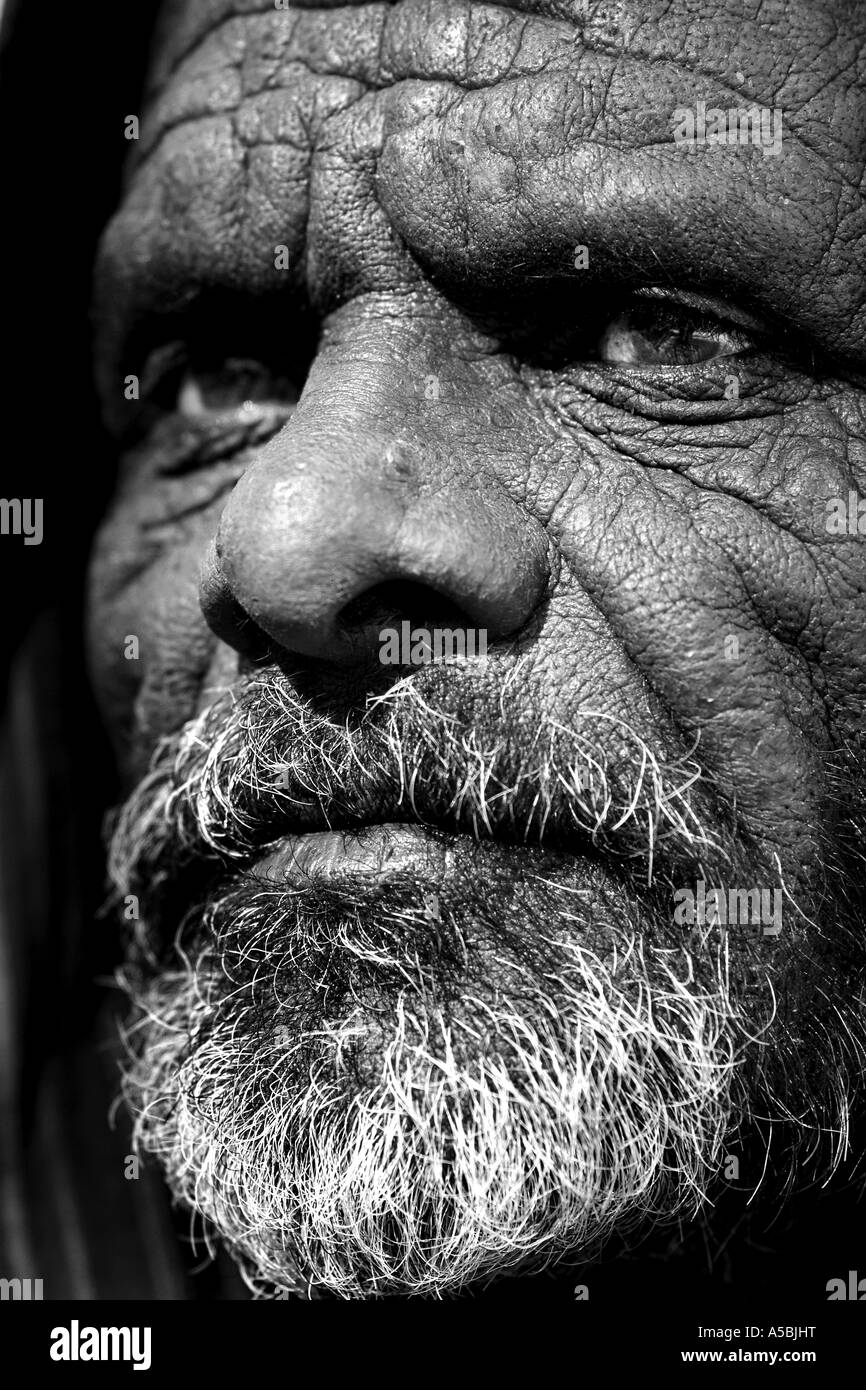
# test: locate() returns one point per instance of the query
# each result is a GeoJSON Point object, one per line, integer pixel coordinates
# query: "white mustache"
{"type": "Point", "coordinates": [259, 763]}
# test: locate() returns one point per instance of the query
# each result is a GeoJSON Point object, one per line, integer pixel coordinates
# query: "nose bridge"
{"type": "Point", "coordinates": [375, 479]}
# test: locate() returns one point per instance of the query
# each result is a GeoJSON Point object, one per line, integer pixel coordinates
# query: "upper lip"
{"type": "Point", "coordinates": [200, 865]}
{"type": "Point", "coordinates": [311, 818]}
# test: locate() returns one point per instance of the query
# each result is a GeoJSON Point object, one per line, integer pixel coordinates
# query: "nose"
{"type": "Point", "coordinates": [338, 528]}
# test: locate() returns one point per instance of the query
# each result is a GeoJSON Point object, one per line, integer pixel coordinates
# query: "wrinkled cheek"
{"type": "Point", "coordinates": [708, 601]}
{"type": "Point", "coordinates": [149, 648]}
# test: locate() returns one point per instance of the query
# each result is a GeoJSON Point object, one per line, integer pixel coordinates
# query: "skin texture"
{"type": "Point", "coordinates": [459, 452]}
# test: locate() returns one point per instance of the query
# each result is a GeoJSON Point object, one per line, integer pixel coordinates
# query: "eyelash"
{"type": "Point", "coordinates": [194, 441]}
{"type": "Point", "coordinates": [554, 347]}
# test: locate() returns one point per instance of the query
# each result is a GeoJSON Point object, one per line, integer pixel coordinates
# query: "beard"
{"type": "Point", "coordinates": [445, 1054]}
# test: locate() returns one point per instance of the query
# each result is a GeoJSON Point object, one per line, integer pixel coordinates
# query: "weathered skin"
{"type": "Point", "coordinates": [431, 168]}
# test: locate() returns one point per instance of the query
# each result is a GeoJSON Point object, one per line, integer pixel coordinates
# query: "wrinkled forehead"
{"type": "Point", "coordinates": [777, 41]}
{"type": "Point", "coordinates": [496, 136]}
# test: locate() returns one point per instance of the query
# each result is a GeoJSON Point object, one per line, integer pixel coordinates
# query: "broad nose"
{"type": "Point", "coordinates": [338, 528]}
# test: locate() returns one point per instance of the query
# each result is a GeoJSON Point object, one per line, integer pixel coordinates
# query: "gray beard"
{"type": "Point", "coordinates": [361, 1098]}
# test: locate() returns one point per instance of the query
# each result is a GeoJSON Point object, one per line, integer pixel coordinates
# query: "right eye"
{"type": "Point", "coordinates": [238, 385]}
{"type": "Point", "coordinates": [669, 335]}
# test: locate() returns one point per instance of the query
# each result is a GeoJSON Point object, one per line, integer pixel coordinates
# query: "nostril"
{"type": "Point", "coordinates": [319, 549]}
{"type": "Point", "coordinates": [225, 616]}
{"type": "Point", "coordinates": [395, 600]}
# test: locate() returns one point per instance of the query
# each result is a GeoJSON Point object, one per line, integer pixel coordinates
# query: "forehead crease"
{"type": "Point", "coordinates": [807, 25]}
{"type": "Point", "coordinates": [215, 53]}
{"type": "Point", "coordinates": [261, 55]}
{"type": "Point", "coordinates": [591, 74]}
{"type": "Point", "coordinates": [184, 25]}
{"type": "Point", "coordinates": [278, 76]}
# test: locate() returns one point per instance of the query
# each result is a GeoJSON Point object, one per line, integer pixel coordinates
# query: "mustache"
{"type": "Point", "coordinates": [261, 763]}
{"type": "Point", "coordinates": [360, 1091]}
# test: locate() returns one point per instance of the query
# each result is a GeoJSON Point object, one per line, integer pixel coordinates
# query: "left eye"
{"type": "Point", "coordinates": [235, 384]}
{"type": "Point", "coordinates": [654, 335]}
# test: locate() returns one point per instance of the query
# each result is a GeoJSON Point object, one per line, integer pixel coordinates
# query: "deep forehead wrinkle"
{"type": "Point", "coordinates": [214, 53]}
{"type": "Point", "coordinates": [611, 24]}
{"type": "Point", "coordinates": [183, 23]}
{"type": "Point", "coordinates": [483, 124]}
{"type": "Point", "coordinates": [473, 46]}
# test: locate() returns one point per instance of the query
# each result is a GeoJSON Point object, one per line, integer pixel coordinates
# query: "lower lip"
{"type": "Point", "coordinates": [377, 852]}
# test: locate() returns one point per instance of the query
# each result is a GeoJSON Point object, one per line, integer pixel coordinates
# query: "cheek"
{"type": "Point", "coordinates": [149, 647]}
{"type": "Point", "coordinates": [719, 625]}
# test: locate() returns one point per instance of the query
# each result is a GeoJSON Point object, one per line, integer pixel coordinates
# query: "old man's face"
{"type": "Point", "coordinates": [544, 325]}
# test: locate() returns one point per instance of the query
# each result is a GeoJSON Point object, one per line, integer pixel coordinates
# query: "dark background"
{"type": "Point", "coordinates": [69, 74]}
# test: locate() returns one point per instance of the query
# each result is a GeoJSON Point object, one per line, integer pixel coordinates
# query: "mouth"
{"type": "Point", "coordinates": [257, 789]}
{"type": "Point", "coordinates": [377, 852]}
{"type": "Point", "coordinates": [397, 854]}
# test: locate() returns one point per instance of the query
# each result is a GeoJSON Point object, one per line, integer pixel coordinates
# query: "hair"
{"type": "Point", "coordinates": [420, 1084]}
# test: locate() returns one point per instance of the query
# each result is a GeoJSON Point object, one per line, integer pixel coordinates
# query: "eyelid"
{"type": "Point", "coordinates": [714, 305]}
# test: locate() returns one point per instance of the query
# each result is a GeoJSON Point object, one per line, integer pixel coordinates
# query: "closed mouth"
{"type": "Point", "coordinates": [386, 853]}
{"type": "Point", "coordinates": [379, 852]}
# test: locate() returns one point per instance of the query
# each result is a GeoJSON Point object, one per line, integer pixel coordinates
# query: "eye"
{"type": "Point", "coordinates": [237, 385]}
{"type": "Point", "coordinates": [639, 330]}
{"type": "Point", "coordinates": [666, 335]}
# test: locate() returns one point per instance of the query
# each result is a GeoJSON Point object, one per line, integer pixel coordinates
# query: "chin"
{"type": "Point", "coordinates": [409, 1058]}
{"type": "Point", "coordinates": [369, 1088]}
